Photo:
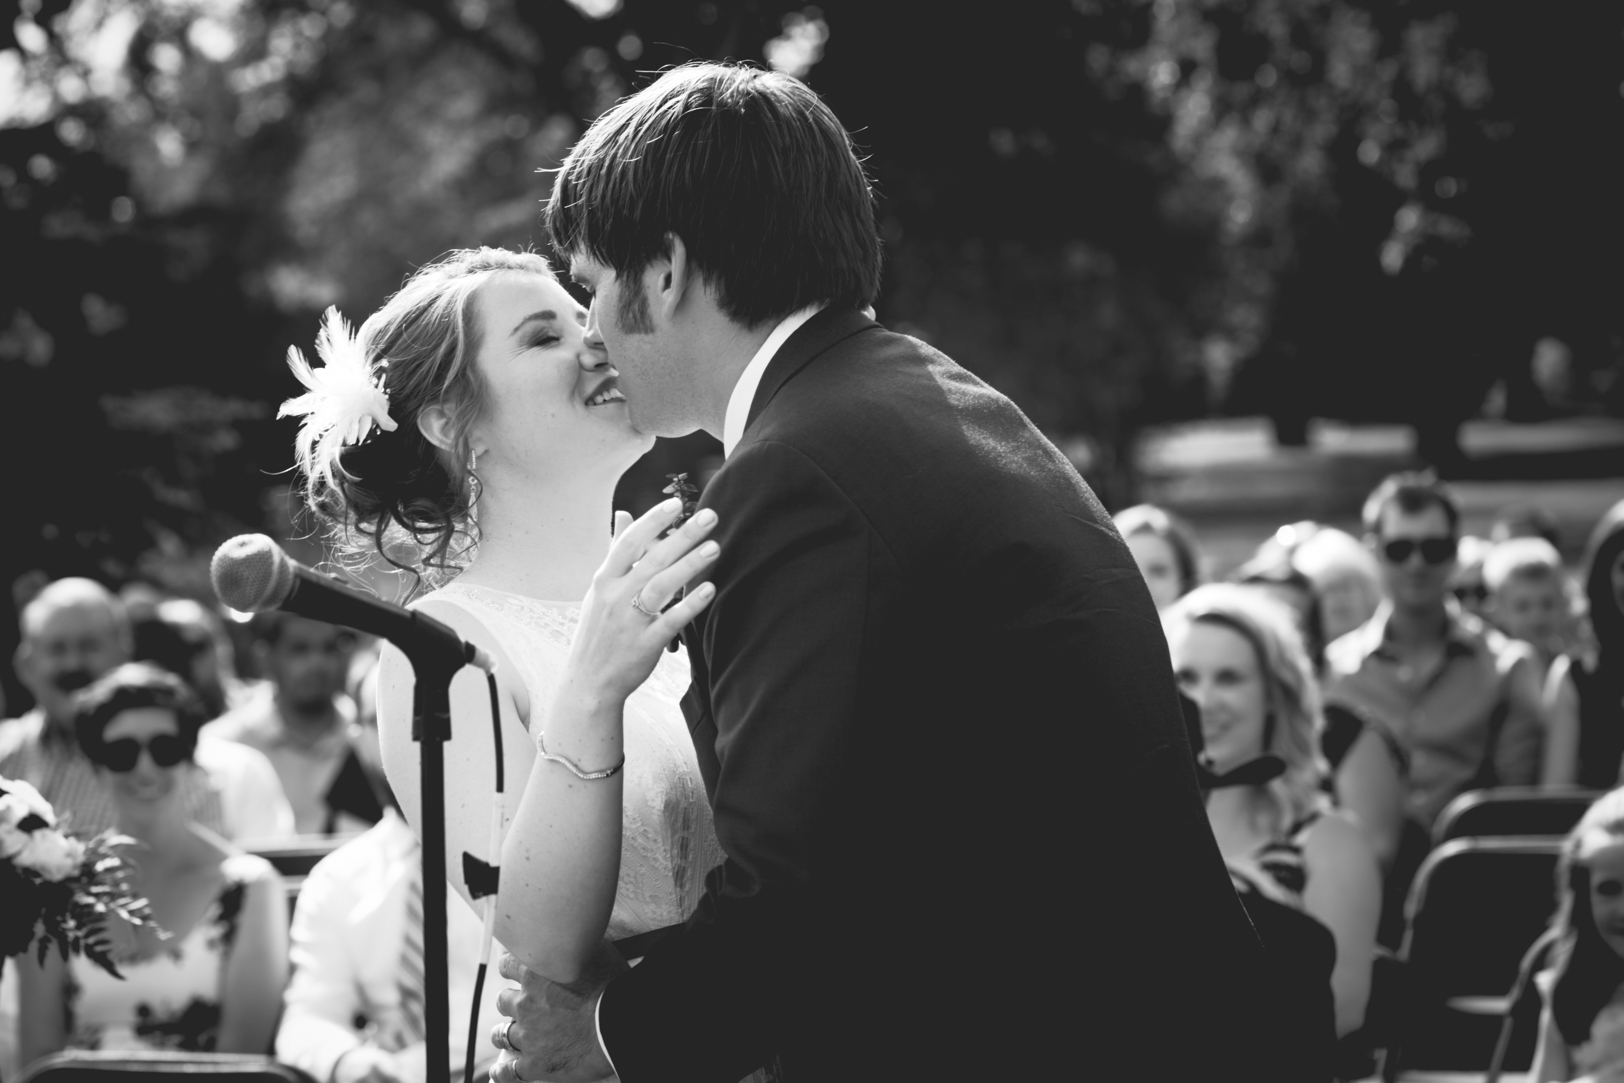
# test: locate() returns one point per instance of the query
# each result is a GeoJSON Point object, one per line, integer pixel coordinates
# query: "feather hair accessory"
{"type": "Point", "coordinates": [343, 402]}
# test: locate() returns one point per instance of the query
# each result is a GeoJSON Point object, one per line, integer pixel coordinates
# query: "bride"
{"type": "Point", "coordinates": [501, 437]}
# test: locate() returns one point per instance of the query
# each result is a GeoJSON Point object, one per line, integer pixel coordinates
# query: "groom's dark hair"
{"type": "Point", "coordinates": [748, 167]}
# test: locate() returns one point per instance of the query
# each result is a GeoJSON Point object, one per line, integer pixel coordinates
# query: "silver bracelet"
{"type": "Point", "coordinates": [569, 765]}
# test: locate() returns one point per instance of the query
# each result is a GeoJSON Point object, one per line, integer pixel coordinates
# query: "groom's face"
{"type": "Point", "coordinates": [621, 316]}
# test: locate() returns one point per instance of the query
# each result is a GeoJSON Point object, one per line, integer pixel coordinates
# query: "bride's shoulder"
{"type": "Point", "coordinates": [504, 611]}
{"type": "Point", "coordinates": [466, 612]}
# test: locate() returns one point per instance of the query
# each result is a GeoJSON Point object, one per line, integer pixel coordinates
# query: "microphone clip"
{"type": "Point", "coordinates": [482, 878]}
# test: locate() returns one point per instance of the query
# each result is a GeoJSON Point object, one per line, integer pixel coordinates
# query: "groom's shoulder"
{"type": "Point", "coordinates": [872, 378]}
{"type": "Point", "coordinates": [879, 398]}
{"type": "Point", "coordinates": [914, 440]}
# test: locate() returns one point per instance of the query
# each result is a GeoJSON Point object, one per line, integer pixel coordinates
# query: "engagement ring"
{"type": "Point", "coordinates": [637, 604]}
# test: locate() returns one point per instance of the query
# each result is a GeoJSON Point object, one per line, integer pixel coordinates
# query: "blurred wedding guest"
{"type": "Point", "coordinates": [362, 687]}
{"type": "Point", "coordinates": [353, 1010]}
{"type": "Point", "coordinates": [1525, 521]}
{"type": "Point", "coordinates": [1369, 767]}
{"type": "Point", "coordinates": [1581, 1029]}
{"type": "Point", "coordinates": [74, 631]}
{"type": "Point", "coordinates": [190, 641]}
{"type": "Point", "coordinates": [305, 724]}
{"type": "Point", "coordinates": [1462, 699]}
{"type": "Point", "coordinates": [1370, 781]}
{"type": "Point", "coordinates": [1237, 653]}
{"type": "Point", "coordinates": [1584, 691]}
{"type": "Point", "coordinates": [1466, 584]}
{"type": "Point", "coordinates": [1164, 548]}
{"type": "Point", "coordinates": [214, 984]}
{"type": "Point", "coordinates": [1528, 595]}
{"type": "Point", "coordinates": [1272, 573]}
{"type": "Point", "coordinates": [1345, 577]}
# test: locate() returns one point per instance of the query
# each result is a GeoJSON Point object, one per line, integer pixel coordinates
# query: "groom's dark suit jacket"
{"type": "Point", "coordinates": [934, 710]}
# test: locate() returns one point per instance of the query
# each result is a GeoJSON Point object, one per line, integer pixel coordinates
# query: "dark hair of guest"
{"type": "Point", "coordinates": [749, 168]}
{"type": "Point", "coordinates": [1588, 971]}
{"type": "Point", "coordinates": [135, 686]}
{"type": "Point", "coordinates": [1414, 492]}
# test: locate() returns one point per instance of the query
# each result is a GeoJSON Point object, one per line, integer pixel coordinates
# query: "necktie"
{"type": "Point", "coordinates": [411, 963]}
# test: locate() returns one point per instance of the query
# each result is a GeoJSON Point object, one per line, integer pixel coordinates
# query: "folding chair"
{"type": "Point", "coordinates": [1519, 1029]}
{"type": "Point", "coordinates": [85, 1067]}
{"type": "Point", "coordinates": [1511, 811]}
{"type": "Point", "coordinates": [1476, 905]}
{"type": "Point", "coordinates": [296, 856]}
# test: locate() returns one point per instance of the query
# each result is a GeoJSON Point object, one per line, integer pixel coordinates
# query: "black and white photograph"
{"type": "Point", "coordinates": [751, 541]}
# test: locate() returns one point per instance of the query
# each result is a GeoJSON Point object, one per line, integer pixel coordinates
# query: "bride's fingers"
{"type": "Point", "coordinates": [632, 542]}
{"type": "Point", "coordinates": [674, 620]}
{"type": "Point", "coordinates": [670, 549]}
{"type": "Point", "coordinates": [623, 519]}
{"type": "Point", "coordinates": [664, 586]}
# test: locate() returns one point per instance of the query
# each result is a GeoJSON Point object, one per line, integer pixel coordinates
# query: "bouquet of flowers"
{"type": "Point", "coordinates": [55, 888]}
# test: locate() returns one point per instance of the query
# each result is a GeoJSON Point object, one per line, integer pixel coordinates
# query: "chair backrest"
{"type": "Point", "coordinates": [297, 856]}
{"type": "Point", "coordinates": [1476, 905]}
{"type": "Point", "coordinates": [142, 1067]}
{"type": "Point", "coordinates": [1508, 811]}
{"type": "Point", "coordinates": [1519, 1027]}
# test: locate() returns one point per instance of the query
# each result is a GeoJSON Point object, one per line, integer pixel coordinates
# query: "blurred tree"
{"type": "Point", "coordinates": [189, 183]}
{"type": "Point", "coordinates": [1118, 211]}
{"type": "Point", "coordinates": [1413, 193]}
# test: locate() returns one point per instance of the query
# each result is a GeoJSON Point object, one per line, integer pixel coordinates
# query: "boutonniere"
{"type": "Point", "coordinates": [685, 491]}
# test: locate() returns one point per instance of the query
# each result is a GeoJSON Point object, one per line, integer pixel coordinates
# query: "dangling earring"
{"type": "Point", "coordinates": [473, 481]}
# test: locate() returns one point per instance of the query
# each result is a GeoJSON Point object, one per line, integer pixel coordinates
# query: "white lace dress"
{"type": "Point", "coordinates": [667, 842]}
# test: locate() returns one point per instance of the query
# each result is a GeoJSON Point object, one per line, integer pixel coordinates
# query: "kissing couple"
{"type": "Point", "coordinates": [913, 799]}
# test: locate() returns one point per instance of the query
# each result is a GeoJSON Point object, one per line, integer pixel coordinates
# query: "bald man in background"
{"type": "Point", "coordinates": [73, 631]}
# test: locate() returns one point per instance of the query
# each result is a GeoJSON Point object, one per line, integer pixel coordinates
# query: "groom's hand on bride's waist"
{"type": "Point", "coordinates": [554, 1034]}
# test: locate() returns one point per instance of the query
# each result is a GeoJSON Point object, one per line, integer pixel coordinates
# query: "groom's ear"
{"type": "Point", "coordinates": [674, 277]}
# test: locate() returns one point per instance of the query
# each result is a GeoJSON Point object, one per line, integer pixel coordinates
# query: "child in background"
{"type": "Point", "coordinates": [1528, 594]}
{"type": "Point", "coordinates": [1467, 583]}
{"type": "Point", "coordinates": [1582, 1026]}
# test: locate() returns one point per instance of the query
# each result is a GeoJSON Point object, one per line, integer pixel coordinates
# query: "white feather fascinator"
{"type": "Point", "coordinates": [343, 402]}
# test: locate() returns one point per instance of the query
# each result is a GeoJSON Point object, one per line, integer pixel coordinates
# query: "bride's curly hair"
{"type": "Point", "coordinates": [397, 494]}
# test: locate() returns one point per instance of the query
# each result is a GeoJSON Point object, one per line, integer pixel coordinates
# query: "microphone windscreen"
{"type": "Point", "coordinates": [251, 574]}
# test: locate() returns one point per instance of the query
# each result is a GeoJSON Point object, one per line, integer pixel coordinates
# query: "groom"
{"type": "Point", "coordinates": [931, 700]}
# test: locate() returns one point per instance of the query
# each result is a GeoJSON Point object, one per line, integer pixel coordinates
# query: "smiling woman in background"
{"type": "Point", "coordinates": [1237, 653]}
{"type": "Point", "coordinates": [215, 983]}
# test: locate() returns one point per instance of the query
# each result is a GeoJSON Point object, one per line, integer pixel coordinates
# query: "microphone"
{"type": "Point", "coordinates": [252, 574]}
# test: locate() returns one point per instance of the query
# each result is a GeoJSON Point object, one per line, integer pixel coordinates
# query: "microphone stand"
{"type": "Point", "coordinates": [436, 657]}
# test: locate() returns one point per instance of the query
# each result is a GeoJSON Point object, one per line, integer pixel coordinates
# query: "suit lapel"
{"type": "Point", "coordinates": [816, 335]}
{"type": "Point", "coordinates": [809, 340]}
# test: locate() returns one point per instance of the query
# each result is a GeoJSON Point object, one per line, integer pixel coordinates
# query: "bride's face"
{"type": "Point", "coordinates": [553, 403]}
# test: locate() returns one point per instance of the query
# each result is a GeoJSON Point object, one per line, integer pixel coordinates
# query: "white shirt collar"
{"type": "Point", "coordinates": [744, 392]}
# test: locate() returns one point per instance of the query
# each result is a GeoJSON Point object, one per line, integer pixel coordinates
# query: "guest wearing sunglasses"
{"type": "Point", "coordinates": [1462, 700]}
{"type": "Point", "coordinates": [214, 982]}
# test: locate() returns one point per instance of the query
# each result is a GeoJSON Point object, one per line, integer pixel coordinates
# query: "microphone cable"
{"type": "Point", "coordinates": [490, 905]}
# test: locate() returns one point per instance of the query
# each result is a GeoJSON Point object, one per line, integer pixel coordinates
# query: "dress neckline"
{"type": "Point", "coordinates": [575, 606]}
